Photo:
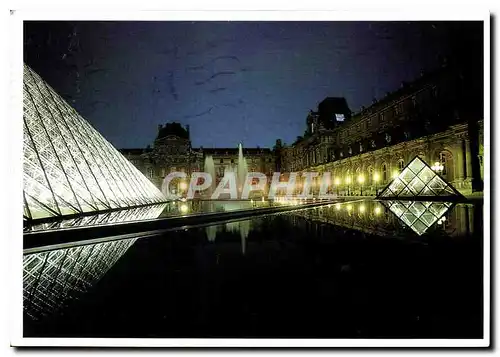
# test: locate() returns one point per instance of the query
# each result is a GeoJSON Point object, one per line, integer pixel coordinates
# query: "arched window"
{"type": "Point", "coordinates": [384, 172]}
{"type": "Point", "coordinates": [370, 175]}
{"type": "Point", "coordinates": [401, 164]}
{"type": "Point", "coordinates": [443, 161]}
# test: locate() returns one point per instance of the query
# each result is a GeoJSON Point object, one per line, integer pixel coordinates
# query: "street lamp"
{"type": "Point", "coordinates": [361, 180]}
{"type": "Point", "coordinates": [376, 178]}
{"type": "Point", "coordinates": [348, 181]}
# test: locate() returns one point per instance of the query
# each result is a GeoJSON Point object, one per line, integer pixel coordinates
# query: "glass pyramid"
{"type": "Point", "coordinates": [418, 215]}
{"type": "Point", "coordinates": [418, 179]}
{"type": "Point", "coordinates": [68, 167]}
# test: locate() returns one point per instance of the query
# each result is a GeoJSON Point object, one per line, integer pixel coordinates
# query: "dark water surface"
{"type": "Point", "coordinates": [354, 270]}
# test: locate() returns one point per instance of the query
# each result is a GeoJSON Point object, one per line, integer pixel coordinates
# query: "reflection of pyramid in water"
{"type": "Point", "coordinates": [69, 168]}
{"type": "Point", "coordinates": [418, 215]}
{"type": "Point", "coordinates": [418, 179]}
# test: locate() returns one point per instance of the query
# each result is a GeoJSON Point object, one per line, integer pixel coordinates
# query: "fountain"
{"type": "Point", "coordinates": [242, 169]}
{"type": "Point", "coordinates": [210, 169]}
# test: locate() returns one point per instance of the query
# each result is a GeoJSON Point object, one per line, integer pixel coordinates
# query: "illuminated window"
{"type": "Point", "coordinates": [339, 117]}
{"type": "Point", "coordinates": [384, 172]}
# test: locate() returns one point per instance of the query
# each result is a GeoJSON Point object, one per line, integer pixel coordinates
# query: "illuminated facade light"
{"type": "Point", "coordinates": [437, 167]}
{"type": "Point", "coordinates": [69, 168]}
{"type": "Point", "coordinates": [377, 211]}
{"type": "Point", "coordinates": [184, 208]}
{"type": "Point", "coordinates": [337, 181]}
{"type": "Point", "coordinates": [376, 177]}
{"type": "Point", "coordinates": [183, 186]}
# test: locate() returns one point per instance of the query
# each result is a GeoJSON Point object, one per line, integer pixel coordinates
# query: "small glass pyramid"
{"type": "Point", "coordinates": [418, 179]}
{"type": "Point", "coordinates": [418, 215]}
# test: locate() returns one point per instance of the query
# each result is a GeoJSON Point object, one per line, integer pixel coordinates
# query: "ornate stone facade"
{"type": "Point", "coordinates": [172, 151]}
{"type": "Point", "coordinates": [430, 117]}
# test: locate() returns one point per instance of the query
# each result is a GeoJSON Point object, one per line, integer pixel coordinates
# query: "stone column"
{"type": "Point", "coordinates": [473, 134]}
{"type": "Point", "coordinates": [459, 162]}
{"type": "Point", "coordinates": [468, 165]}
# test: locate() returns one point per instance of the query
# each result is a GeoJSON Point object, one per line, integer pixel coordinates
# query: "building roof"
{"type": "Point", "coordinates": [135, 151]}
{"type": "Point", "coordinates": [234, 151]}
{"type": "Point", "coordinates": [173, 128]}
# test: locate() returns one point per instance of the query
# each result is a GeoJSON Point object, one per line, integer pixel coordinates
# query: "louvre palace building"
{"type": "Point", "coordinates": [437, 117]}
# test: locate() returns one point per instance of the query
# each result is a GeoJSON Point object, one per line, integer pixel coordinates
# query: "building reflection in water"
{"type": "Point", "coordinates": [242, 227]}
{"type": "Point", "coordinates": [52, 278]}
{"type": "Point", "coordinates": [199, 206]}
{"type": "Point", "coordinates": [394, 218]}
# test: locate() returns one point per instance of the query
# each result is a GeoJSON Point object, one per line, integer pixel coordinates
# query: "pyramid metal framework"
{"type": "Point", "coordinates": [418, 179]}
{"type": "Point", "coordinates": [418, 215]}
{"type": "Point", "coordinates": [69, 168]}
{"type": "Point", "coordinates": [52, 279]}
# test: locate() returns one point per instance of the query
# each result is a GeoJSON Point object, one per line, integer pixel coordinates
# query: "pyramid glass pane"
{"type": "Point", "coordinates": [416, 185]}
{"type": "Point", "coordinates": [417, 165]}
{"type": "Point", "coordinates": [406, 175]}
{"type": "Point", "coordinates": [68, 166]}
{"type": "Point", "coordinates": [418, 179]}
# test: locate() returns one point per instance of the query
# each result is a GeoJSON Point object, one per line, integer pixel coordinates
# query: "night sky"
{"type": "Point", "coordinates": [252, 82]}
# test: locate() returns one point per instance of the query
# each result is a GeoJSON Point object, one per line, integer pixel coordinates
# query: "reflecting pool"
{"type": "Point", "coordinates": [364, 269]}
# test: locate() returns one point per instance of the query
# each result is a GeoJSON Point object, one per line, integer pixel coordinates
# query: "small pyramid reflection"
{"type": "Point", "coordinates": [418, 215]}
{"type": "Point", "coordinates": [418, 180]}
